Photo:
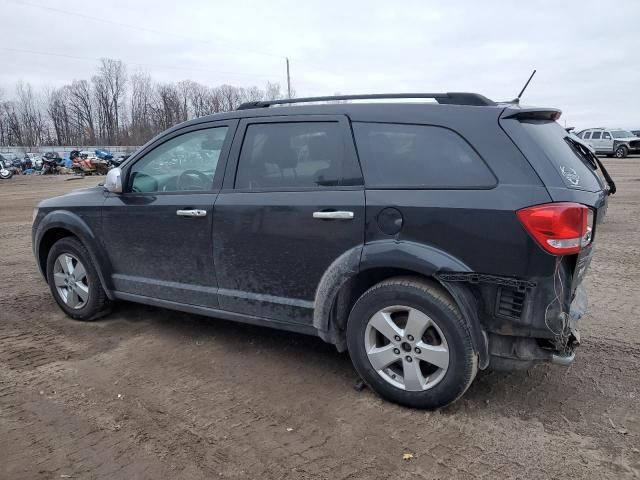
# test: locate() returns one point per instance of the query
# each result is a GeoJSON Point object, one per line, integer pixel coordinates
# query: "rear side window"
{"type": "Point", "coordinates": [587, 135]}
{"type": "Point", "coordinates": [596, 136]}
{"type": "Point", "coordinates": [557, 147]}
{"type": "Point", "coordinates": [295, 155]}
{"type": "Point", "coordinates": [418, 156]}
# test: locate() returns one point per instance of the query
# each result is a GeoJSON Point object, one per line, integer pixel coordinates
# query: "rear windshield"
{"type": "Point", "coordinates": [575, 168]}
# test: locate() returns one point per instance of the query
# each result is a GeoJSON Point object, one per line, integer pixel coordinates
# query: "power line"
{"type": "Point", "coordinates": [142, 28]}
{"type": "Point", "coordinates": [93, 59]}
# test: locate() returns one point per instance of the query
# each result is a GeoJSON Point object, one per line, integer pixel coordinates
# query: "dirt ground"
{"type": "Point", "coordinates": [150, 393]}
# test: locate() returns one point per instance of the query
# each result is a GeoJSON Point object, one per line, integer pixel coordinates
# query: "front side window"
{"type": "Point", "coordinates": [595, 136]}
{"type": "Point", "coordinates": [622, 134]}
{"type": "Point", "coordinates": [295, 155]}
{"type": "Point", "coordinates": [418, 156]}
{"type": "Point", "coordinates": [606, 136]}
{"type": "Point", "coordinates": [185, 163]}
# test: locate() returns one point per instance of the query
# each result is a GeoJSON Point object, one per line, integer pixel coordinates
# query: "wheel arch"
{"type": "Point", "coordinates": [59, 224]}
{"type": "Point", "coordinates": [362, 267]}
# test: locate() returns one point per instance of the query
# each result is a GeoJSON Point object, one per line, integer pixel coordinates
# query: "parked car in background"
{"type": "Point", "coordinates": [611, 141]}
{"type": "Point", "coordinates": [6, 167]}
{"type": "Point", "coordinates": [428, 240]}
{"type": "Point", "coordinates": [636, 132]}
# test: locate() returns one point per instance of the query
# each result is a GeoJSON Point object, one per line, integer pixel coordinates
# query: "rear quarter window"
{"type": "Point", "coordinates": [418, 156]}
{"type": "Point", "coordinates": [553, 140]}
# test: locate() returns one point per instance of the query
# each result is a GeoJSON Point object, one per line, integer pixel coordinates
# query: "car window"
{"type": "Point", "coordinates": [185, 163]}
{"type": "Point", "coordinates": [622, 134]}
{"type": "Point", "coordinates": [395, 155]}
{"type": "Point", "coordinates": [295, 155]}
{"type": "Point", "coordinates": [576, 171]}
{"type": "Point", "coordinates": [606, 136]}
{"type": "Point", "coordinates": [595, 136]}
{"type": "Point", "coordinates": [587, 135]}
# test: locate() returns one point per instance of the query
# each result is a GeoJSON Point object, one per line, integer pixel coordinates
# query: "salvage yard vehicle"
{"type": "Point", "coordinates": [429, 239]}
{"type": "Point", "coordinates": [5, 168]}
{"type": "Point", "coordinates": [612, 141]}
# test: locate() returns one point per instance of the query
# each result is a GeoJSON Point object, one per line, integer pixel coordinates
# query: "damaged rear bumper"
{"type": "Point", "coordinates": [532, 321]}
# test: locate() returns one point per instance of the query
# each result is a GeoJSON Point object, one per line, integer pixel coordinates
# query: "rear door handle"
{"type": "Point", "coordinates": [337, 215]}
{"type": "Point", "coordinates": [191, 213]}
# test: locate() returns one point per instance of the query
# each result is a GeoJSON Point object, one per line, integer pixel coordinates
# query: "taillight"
{"type": "Point", "coordinates": [560, 228]}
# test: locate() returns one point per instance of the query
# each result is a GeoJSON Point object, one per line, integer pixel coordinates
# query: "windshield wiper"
{"type": "Point", "coordinates": [594, 162]}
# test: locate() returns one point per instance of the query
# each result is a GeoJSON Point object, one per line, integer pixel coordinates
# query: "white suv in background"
{"type": "Point", "coordinates": [611, 141]}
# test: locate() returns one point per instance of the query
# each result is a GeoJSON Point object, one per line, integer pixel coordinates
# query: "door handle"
{"type": "Point", "coordinates": [335, 215]}
{"type": "Point", "coordinates": [191, 213]}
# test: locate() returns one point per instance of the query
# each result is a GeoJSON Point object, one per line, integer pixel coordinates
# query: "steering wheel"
{"type": "Point", "coordinates": [193, 180]}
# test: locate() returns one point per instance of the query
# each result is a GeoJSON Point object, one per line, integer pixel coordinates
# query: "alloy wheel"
{"type": "Point", "coordinates": [406, 348]}
{"type": "Point", "coordinates": [70, 279]}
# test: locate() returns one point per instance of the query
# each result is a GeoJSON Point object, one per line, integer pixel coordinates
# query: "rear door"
{"type": "Point", "coordinates": [292, 202]}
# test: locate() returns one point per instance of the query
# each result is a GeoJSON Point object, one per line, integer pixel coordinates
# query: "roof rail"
{"type": "Point", "coordinates": [450, 98]}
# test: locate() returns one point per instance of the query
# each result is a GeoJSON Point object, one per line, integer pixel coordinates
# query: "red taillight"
{"type": "Point", "coordinates": [559, 228]}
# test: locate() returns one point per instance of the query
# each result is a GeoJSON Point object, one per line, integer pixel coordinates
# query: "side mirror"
{"type": "Point", "coordinates": [113, 182]}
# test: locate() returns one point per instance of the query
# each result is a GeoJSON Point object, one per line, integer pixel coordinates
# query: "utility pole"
{"type": "Point", "coordinates": [288, 80]}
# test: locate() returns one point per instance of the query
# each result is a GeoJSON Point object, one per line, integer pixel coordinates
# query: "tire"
{"type": "Point", "coordinates": [621, 152]}
{"type": "Point", "coordinates": [71, 271]}
{"type": "Point", "coordinates": [432, 386]}
{"type": "Point", "coordinates": [7, 175]}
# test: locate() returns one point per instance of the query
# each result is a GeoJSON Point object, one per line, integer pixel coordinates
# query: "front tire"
{"type": "Point", "coordinates": [621, 152]}
{"type": "Point", "coordinates": [410, 344]}
{"type": "Point", "coordinates": [74, 281]}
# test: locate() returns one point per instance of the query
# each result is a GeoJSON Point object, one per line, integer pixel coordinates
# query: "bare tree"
{"type": "Point", "coordinates": [114, 109]}
{"type": "Point", "coordinates": [79, 96]}
{"type": "Point", "coordinates": [109, 91]}
{"type": "Point", "coordinates": [31, 122]}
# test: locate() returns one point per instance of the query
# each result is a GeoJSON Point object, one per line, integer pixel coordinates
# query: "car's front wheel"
{"type": "Point", "coordinates": [621, 152]}
{"type": "Point", "coordinates": [410, 344]}
{"type": "Point", "coordinates": [74, 281]}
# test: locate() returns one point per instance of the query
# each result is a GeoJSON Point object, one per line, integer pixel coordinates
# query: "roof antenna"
{"type": "Point", "coordinates": [517, 99]}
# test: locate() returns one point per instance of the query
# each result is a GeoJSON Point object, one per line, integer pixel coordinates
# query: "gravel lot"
{"type": "Point", "coordinates": [149, 393]}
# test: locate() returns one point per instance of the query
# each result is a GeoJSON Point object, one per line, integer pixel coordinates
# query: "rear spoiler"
{"type": "Point", "coordinates": [531, 113]}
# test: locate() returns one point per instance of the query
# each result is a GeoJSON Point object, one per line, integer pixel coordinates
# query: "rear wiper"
{"type": "Point", "coordinates": [607, 177]}
{"type": "Point", "coordinates": [595, 163]}
{"type": "Point", "coordinates": [585, 153]}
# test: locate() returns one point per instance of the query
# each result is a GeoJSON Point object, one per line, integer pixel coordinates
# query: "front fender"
{"type": "Point", "coordinates": [64, 219]}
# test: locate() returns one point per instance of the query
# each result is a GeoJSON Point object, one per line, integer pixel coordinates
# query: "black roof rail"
{"type": "Point", "coordinates": [450, 98]}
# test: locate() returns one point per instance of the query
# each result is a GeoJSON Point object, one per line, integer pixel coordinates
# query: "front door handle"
{"type": "Point", "coordinates": [335, 215]}
{"type": "Point", "coordinates": [191, 213]}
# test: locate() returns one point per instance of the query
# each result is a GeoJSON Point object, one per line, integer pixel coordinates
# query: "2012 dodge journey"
{"type": "Point", "coordinates": [429, 239]}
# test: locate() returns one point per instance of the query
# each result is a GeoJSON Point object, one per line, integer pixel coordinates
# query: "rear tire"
{"type": "Point", "coordinates": [621, 152]}
{"type": "Point", "coordinates": [74, 281]}
{"type": "Point", "coordinates": [394, 364]}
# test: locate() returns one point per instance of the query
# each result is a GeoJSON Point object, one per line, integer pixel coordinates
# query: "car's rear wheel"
{"type": "Point", "coordinates": [74, 281]}
{"type": "Point", "coordinates": [410, 344]}
{"type": "Point", "coordinates": [621, 151]}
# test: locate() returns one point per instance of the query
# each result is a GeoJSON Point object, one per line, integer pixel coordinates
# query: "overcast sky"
{"type": "Point", "coordinates": [587, 53]}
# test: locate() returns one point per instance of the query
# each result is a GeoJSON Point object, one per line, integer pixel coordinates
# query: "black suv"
{"type": "Point", "coordinates": [429, 239]}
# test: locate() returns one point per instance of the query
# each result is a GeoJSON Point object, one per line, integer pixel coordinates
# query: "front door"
{"type": "Point", "coordinates": [292, 203]}
{"type": "Point", "coordinates": [596, 141]}
{"type": "Point", "coordinates": [157, 233]}
{"type": "Point", "coordinates": [606, 142]}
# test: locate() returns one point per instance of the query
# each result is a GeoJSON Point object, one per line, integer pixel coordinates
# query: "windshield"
{"type": "Point", "coordinates": [622, 134]}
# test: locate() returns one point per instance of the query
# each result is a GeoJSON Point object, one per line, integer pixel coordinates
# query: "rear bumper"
{"type": "Point", "coordinates": [510, 352]}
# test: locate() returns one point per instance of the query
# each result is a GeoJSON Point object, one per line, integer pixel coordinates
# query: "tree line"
{"type": "Point", "coordinates": [113, 108]}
